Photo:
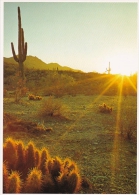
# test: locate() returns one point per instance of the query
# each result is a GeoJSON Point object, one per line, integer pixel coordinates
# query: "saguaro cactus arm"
{"type": "Point", "coordinates": [14, 54]}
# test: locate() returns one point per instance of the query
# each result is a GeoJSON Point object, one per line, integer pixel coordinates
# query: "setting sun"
{"type": "Point", "coordinates": [124, 64]}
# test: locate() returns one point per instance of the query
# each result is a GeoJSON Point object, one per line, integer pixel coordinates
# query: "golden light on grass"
{"type": "Point", "coordinates": [119, 80]}
{"type": "Point", "coordinates": [115, 150]}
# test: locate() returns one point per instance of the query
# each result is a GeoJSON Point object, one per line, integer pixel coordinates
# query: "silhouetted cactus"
{"type": "Point", "coordinates": [109, 69]}
{"type": "Point", "coordinates": [22, 47]}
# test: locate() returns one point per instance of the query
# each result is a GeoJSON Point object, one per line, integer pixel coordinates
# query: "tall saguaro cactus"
{"type": "Point", "coordinates": [22, 47]}
{"type": "Point", "coordinates": [109, 69]}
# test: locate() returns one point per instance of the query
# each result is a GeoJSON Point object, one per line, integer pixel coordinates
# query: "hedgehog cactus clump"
{"type": "Point", "coordinates": [22, 47]}
{"type": "Point", "coordinates": [30, 170]}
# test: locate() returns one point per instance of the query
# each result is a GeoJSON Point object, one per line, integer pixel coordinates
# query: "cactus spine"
{"type": "Point", "coordinates": [22, 47]}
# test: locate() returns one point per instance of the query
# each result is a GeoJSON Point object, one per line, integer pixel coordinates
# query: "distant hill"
{"type": "Point", "coordinates": [35, 63]}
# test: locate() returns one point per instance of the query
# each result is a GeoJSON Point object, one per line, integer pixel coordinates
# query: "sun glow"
{"type": "Point", "coordinates": [124, 64]}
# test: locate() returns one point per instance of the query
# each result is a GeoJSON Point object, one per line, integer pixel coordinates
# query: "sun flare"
{"type": "Point", "coordinates": [124, 64]}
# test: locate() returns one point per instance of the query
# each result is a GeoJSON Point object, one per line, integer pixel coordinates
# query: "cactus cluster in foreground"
{"type": "Point", "coordinates": [26, 169]}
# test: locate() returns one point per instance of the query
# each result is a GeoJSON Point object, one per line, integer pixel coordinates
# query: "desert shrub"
{"type": "Point", "coordinates": [104, 108]}
{"type": "Point", "coordinates": [39, 173]}
{"type": "Point", "coordinates": [51, 107]}
{"type": "Point", "coordinates": [13, 124]}
{"type": "Point", "coordinates": [128, 129]}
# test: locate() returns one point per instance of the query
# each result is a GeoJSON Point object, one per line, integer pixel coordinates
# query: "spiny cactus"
{"type": "Point", "coordinates": [69, 180]}
{"type": "Point", "coordinates": [37, 158]}
{"type": "Point", "coordinates": [54, 166]}
{"type": "Point", "coordinates": [14, 183]}
{"type": "Point", "coordinates": [10, 153]}
{"type": "Point", "coordinates": [5, 178]}
{"type": "Point", "coordinates": [20, 156]}
{"type": "Point", "coordinates": [43, 161]}
{"type": "Point", "coordinates": [49, 184]}
{"type": "Point", "coordinates": [69, 183]}
{"type": "Point", "coordinates": [30, 155]}
{"type": "Point", "coordinates": [34, 182]}
{"type": "Point", "coordinates": [22, 47]}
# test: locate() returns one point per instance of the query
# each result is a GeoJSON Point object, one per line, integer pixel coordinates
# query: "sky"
{"type": "Point", "coordinates": [81, 35]}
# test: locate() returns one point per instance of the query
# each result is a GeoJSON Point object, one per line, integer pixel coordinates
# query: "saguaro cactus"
{"type": "Point", "coordinates": [22, 47]}
{"type": "Point", "coordinates": [109, 69]}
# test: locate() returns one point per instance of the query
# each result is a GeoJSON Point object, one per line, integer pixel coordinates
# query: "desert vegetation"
{"type": "Point", "coordinates": [93, 145]}
{"type": "Point", "coordinates": [102, 144]}
{"type": "Point", "coordinates": [27, 169]}
{"type": "Point", "coordinates": [85, 117]}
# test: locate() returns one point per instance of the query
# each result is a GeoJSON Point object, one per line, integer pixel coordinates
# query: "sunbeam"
{"type": "Point", "coordinates": [115, 151]}
{"type": "Point", "coordinates": [134, 87]}
{"type": "Point", "coordinates": [84, 112]}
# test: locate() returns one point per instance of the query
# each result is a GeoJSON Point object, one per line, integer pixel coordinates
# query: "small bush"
{"type": "Point", "coordinates": [39, 173]}
{"type": "Point", "coordinates": [13, 124]}
{"type": "Point", "coordinates": [104, 108]}
{"type": "Point", "coordinates": [128, 130]}
{"type": "Point", "coordinates": [51, 107]}
{"type": "Point", "coordinates": [128, 123]}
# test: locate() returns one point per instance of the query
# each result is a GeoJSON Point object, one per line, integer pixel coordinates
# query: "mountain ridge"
{"type": "Point", "coordinates": [33, 62]}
